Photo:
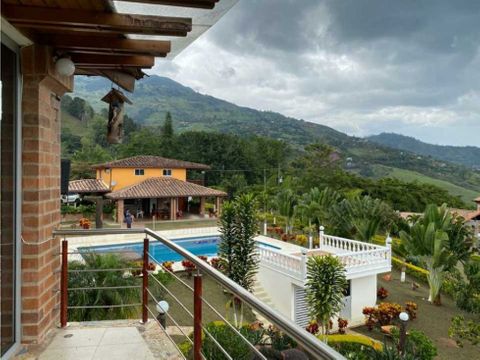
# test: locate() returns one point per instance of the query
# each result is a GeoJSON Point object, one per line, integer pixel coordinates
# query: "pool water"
{"type": "Point", "coordinates": [206, 246]}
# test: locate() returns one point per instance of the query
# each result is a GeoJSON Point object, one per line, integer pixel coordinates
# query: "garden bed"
{"type": "Point", "coordinates": [433, 320]}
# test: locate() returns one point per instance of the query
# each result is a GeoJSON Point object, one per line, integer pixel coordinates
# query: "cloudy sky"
{"type": "Point", "coordinates": [359, 66]}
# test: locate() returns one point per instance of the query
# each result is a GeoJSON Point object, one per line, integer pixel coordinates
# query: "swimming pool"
{"type": "Point", "coordinates": [206, 246]}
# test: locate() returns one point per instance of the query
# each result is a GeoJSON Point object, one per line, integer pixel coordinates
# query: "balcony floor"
{"type": "Point", "coordinates": [122, 339]}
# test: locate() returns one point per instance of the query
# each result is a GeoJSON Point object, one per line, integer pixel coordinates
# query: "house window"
{"type": "Point", "coordinates": [167, 172]}
{"type": "Point", "coordinates": [139, 172]}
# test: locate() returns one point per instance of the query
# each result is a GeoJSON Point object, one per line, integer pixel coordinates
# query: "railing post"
{"type": "Point", "coordinates": [304, 264]}
{"type": "Point", "coordinates": [320, 237]}
{"type": "Point", "coordinates": [197, 317]}
{"type": "Point", "coordinates": [145, 281]}
{"type": "Point", "coordinates": [64, 285]}
{"type": "Point", "coordinates": [388, 244]}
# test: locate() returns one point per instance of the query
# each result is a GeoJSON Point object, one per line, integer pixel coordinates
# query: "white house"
{"type": "Point", "coordinates": [282, 274]}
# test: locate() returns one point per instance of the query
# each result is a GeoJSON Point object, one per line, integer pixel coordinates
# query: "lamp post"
{"type": "Point", "coordinates": [403, 332]}
{"type": "Point", "coordinates": [162, 308]}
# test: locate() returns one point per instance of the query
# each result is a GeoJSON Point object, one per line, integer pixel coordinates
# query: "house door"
{"type": "Point", "coordinates": [9, 249]}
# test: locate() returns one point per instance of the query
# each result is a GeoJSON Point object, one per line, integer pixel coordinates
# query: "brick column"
{"type": "Point", "coordinates": [218, 205]}
{"type": "Point", "coordinates": [173, 208]}
{"type": "Point", "coordinates": [42, 90]}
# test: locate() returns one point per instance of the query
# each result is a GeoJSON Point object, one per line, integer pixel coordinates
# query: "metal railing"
{"type": "Point", "coordinates": [305, 340]}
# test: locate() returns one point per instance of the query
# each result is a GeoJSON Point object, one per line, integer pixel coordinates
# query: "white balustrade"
{"type": "Point", "coordinates": [289, 264]}
{"type": "Point", "coordinates": [356, 256]}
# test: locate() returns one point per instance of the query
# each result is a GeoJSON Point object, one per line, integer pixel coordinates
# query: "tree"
{"type": "Point", "coordinates": [167, 128]}
{"type": "Point", "coordinates": [285, 202]}
{"type": "Point", "coordinates": [237, 250]}
{"type": "Point", "coordinates": [325, 285]}
{"type": "Point", "coordinates": [428, 239]}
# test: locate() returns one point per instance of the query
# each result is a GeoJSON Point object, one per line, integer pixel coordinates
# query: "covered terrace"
{"type": "Point", "coordinates": [165, 198]}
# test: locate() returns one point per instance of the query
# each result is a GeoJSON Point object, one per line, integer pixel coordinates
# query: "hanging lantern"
{"type": "Point", "coordinates": [116, 100]}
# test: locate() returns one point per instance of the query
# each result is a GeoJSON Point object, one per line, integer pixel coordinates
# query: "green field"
{"type": "Point", "coordinates": [406, 175]}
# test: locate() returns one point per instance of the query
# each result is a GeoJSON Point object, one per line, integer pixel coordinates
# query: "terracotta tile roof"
{"type": "Point", "coordinates": [150, 161]}
{"type": "Point", "coordinates": [465, 213]}
{"type": "Point", "coordinates": [88, 186]}
{"type": "Point", "coordinates": [161, 187]}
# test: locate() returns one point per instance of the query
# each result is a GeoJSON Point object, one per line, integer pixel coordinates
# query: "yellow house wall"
{"type": "Point", "coordinates": [123, 177]}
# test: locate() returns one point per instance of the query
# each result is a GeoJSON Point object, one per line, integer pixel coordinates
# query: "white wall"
{"type": "Point", "coordinates": [279, 288]}
{"type": "Point", "coordinates": [363, 293]}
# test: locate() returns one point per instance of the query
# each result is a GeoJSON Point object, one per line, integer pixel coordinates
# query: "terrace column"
{"type": "Point", "coordinates": [202, 205]}
{"type": "Point", "coordinates": [218, 205]}
{"type": "Point", "coordinates": [42, 89]}
{"type": "Point", "coordinates": [173, 209]}
{"type": "Point", "coordinates": [120, 211]}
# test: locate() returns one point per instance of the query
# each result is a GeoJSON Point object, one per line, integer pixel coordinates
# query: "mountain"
{"type": "Point", "coordinates": [154, 96]}
{"type": "Point", "coordinates": [466, 155]}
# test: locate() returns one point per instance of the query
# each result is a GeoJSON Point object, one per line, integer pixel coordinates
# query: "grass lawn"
{"type": "Point", "coordinates": [433, 320]}
{"type": "Point", "coordinates": [212, 292]}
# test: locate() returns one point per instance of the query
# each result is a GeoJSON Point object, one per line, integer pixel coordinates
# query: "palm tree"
{"type": "Point", "coordinates": [325, 285]}
{"type": "Point", "coordinates": [93, 297]}
{"type": "Point", "coordinates": [307, 210]}
{"type": "Point", "coordinates": [428, 239]}
{"type": "Point", "coordinates": [285, 202]}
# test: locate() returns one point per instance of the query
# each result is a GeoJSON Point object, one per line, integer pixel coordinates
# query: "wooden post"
{"type": "Point", "coordinates": [202, 205]}
{"type": "Point", "coordinates": [145, 281]}
{"type": "Point", "coordinates": [197, 317]}
{"type": "Point", "coordinates": [64, 285]}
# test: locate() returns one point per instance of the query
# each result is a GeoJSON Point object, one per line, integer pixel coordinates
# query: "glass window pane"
{"type": "Point", "coordinates": [7, 197]}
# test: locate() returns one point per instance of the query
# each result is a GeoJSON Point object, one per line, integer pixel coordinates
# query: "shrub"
{"type": "Point", "coordinates": [352, 351]}
{"type": "Point", "coordinates": [204, 258]}
{"type": "Point", "coordinates": [342, 325]}
{"type": "Point", "coordinates": [313, 328]}
{"type": "Point", "coordinates": [168, 265]}
{"type": "Point", "coordinates": [411, 308]}
{"type": "Point", "coordinates": [371, 319]}
{"type": "Point", "coordinates": [188, 266]}
{"type": "Point", "coordinates": [279, 340]}
{"type": "Point", "coordinates": [216, 263]}
{"type": "Point", "coordinates": [85, 223]}
{"type": "Point", "coordinates": [353, 339]}
{"type": "Point", "coordinates": [418, 344]}
{"type": "Point", "coordinates": [288, 237]}
{"type": "Point", "coordinates": [382, 293]}
{"type": "Point", "coordinates": [301, 240]}
{"type": "Point", "coordinates": [412, 270]}
{"type": "Point", "coordinates": [387, 312]}
{"type": "Point", "coordinates": [383, 314]}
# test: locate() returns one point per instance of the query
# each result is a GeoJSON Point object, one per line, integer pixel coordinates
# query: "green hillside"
{"type": "Point", "coordinates": [154, 96]}
{"type": "Point", "coordinates": [406, 175]}
{"type": "Point", "coordinates": [466, 155]}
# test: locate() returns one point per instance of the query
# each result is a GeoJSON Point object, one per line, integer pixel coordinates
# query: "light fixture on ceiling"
{"type": "Point", "coordinates": [64, 66]}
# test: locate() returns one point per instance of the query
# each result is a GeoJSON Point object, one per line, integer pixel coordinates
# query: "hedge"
{"type": "Point", "coordinates": [350, 338]}
{"type": "Point", "coordinates": [415, 271]}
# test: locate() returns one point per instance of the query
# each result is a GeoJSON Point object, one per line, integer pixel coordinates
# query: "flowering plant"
{"type": "Point", "coordinates": [382, 293]}
{"type": "Point", "coordinates": [189, 266]}
{"type": "Point", "coordinates": [312, 327]}
{"type": "Point", "coordinates": [85, 223]}
{"type": "Point", "coordinates": [411, 308]}
{"type": "Point", "coordinates": [342, 325]}
{"type": "Point", "coordinates": [168, 265]}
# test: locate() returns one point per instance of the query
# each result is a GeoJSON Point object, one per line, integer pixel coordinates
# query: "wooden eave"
{"type": "Point", "coordinates": [95, 37]}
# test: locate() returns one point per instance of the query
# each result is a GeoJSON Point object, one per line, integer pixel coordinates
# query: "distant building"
{"type": "Point", "coordinates": [150, 186]}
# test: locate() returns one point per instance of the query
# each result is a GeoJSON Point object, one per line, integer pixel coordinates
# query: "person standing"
{"type": "Point", "coordinates": [128, 219]}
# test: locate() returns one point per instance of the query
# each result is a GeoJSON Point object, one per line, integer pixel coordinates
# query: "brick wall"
{"type": "Point", "coordinates": [42, 89]}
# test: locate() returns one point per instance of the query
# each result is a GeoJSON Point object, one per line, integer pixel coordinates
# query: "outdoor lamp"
{"type": "Point", "coordinates": [162, 308]}
{"type": "Point", "coordinates": [64, 66]}
{"type": "Point", "coordinates": [403, 331]}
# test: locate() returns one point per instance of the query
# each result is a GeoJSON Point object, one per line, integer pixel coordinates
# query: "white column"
{"type": "Point", "coordinates": [304, 263]}
{"type": "Point", "coordinates": [320, 237]}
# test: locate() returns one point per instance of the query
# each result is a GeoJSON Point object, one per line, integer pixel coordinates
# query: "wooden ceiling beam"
{"type": "Point", "coordinates": [93, 21]}
{"type": "Point", "coordinates": [201, 4]}
{"type": "Point", "coordinates": [102, 44]}
{"type": "Point", "coordinates": [90, 60]}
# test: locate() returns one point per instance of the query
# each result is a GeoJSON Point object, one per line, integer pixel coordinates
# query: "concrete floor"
{"type": "Point", "coordinates": [119, 340]}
